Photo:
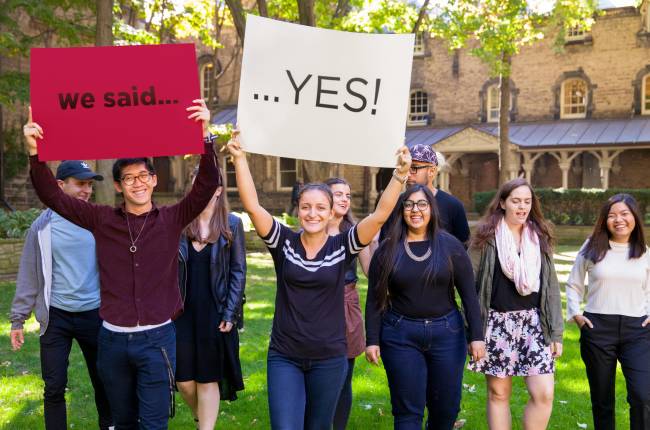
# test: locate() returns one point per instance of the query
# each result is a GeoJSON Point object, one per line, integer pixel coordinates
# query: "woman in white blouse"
{"type": "Point", "coordinates": [615, 323]}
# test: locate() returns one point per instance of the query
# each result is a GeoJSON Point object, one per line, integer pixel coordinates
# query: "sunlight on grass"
{"type": "Point", "coordinates": [21, 387]}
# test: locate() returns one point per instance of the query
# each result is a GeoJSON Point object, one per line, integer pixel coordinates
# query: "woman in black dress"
{"type": "Point", "coordinates": [212, 275]}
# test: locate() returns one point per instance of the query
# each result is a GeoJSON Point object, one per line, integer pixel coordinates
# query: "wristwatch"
{"type": "Point", "coordinates": [210, 138]}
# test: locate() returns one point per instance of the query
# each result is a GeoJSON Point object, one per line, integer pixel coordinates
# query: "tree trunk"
{"type": "Point", "coordinates": [306, 12]}
{"type": "Point", "coordinates": [104, 191]}
{"type": "Point", "coordinates": [238, 17]}
{"type": "Point", "coordinates": [423, 11]}
{"type": "Point", "coordinates": [506, 155]}
{"type": "Point", "coordinates": [2, 145]}
{"type": "Point", "coordinates": [262, 7]}
{"type": "Point", "coordinates": [342, 8]}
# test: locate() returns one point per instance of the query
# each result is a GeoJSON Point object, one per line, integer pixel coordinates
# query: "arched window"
{"type": "Point", "coordinates": [573, 99]}
{"type": "Point", "coordinates": [207, 82]}
{"type": "Point", "coordinates": [418, 108]}
{"type": "Point", "coordinates": [575, 33]}
{"type": "Point", "coordinates": [645, 95]}
{"type": "Point", "coordinates": [494, 102]}
{"type": "Point", "coordinates": [418, 47]}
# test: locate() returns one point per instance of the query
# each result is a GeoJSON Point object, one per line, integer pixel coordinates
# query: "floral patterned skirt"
{"type": "Point", "coordinates": [514, 346]}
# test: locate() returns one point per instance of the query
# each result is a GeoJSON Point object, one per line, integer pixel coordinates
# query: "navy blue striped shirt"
{"type": "Point", "coordinates": [309, 320]}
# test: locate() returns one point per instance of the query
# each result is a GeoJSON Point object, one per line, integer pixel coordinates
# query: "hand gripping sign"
{"type": "Point", "coordinates": [323, 95]}
{"type": "Point", "coordinates": [112, 102]}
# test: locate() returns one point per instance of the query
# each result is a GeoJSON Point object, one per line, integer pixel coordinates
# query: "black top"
{"type": "Point", "coordinates": [452, 217]}
{"type": "Point", "coordinates": [198, 279]}
{"type": "Point", "coordinates": [351, 272]}
{"type": "Point", "coordinates": [412, 297]}
{"type": "Point", "coordinates": [505, 297]}
{"type": "Point", "coordinates": [309, 319]}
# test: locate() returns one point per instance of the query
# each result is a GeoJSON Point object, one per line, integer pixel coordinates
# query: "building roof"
{"type": "Point", "coordinates": [227, 115]}
{"type": "Point", "coordinates": [530, 135]}
{"type": "Point", "coordinates": [613, 4]}
{"type": "Point", "coordinates": [551, 134]}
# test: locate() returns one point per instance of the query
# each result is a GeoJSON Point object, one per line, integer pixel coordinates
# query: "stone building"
{"type": "Point", "coordinates": [579, 118]}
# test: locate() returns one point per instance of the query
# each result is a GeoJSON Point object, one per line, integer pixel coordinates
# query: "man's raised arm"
{"type": "Point", "coordinates": [82, 213]}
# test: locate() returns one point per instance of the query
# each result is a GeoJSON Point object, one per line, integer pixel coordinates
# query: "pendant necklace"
{"type": "Point", "coordinates": [407, 248]}
{"type": "Point", "coordinates": [134, 248]}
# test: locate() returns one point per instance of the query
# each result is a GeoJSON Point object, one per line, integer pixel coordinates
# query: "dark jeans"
{"type": "Point", "coordinates": [342, 412]}
{"type": "Point", "coordinates": [138, 371]}
{"type": "Point", "coordinates": [424, 361]}
{"type": "Point", "coordinates": [303, 393]}
{"type": "Point", "coordinates": [617, 337]}
{"type": "Point", "coordinates": [56, 343]}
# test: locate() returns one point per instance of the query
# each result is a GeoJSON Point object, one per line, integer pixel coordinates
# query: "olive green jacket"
{"type": "Point", "coordinates": [550, 301]}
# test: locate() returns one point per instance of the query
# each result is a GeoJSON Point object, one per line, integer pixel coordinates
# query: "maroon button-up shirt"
{"type": "Point", "coordinates": [138, 288]}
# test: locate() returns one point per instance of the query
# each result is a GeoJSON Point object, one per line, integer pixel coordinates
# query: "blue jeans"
{"type": "Point", "coordinates": [303, 393]}
{"type": "Point", "coordinates": [424, 361]}
{"type": "Point", "coordinates": [138, 374]}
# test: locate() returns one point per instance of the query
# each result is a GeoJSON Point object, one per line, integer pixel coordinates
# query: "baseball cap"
{"type": "Point", "coordinates": [76, 169]}
{"type": "Point", "coordinates": [423, 154]}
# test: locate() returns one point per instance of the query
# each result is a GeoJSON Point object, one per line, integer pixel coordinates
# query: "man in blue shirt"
{"type": "Point", "coordinates": [58, 280]}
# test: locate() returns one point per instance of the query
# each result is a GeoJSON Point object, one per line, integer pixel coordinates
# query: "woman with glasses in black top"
{"type": "Point", "coordinates": [412, 317]}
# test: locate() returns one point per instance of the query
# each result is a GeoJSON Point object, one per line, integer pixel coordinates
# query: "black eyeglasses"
{"type": "Point", "coordinates": [143, 177]}
{"type": "Point", "coordinates": [422, 205]}
{"type": "Point", "coordinates": [414, 169]}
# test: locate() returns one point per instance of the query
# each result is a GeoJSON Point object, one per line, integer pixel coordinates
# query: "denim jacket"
{"type": "Point", "coordinates": [227, 270]}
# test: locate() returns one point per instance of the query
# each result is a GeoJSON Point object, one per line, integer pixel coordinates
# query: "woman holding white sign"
{"type": "Point", "coordinates": [307, 362]}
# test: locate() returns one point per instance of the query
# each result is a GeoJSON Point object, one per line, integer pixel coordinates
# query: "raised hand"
{"type": "Point", "coordinates": [32, 131]}
{"type": "Point", "coordinates": [233, 146]}
{"type": "Point", "coordinates": [403, 160]}
{"type": "Point", "coordinates": [200, 113]}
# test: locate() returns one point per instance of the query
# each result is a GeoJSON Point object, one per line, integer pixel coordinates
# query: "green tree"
{"type": "Point", "coordinates": [104, 190]}
{"type": "Point", "coordinates": [25, 24]}
{"type": "Point", "coordinates": [495, 31]}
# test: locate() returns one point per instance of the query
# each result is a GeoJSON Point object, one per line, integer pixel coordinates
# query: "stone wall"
{"type": "Point", "coordinates": [10, 252]}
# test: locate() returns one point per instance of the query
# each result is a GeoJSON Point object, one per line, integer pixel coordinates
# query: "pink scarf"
{"type": "Point", "coordinates": [523, 268]}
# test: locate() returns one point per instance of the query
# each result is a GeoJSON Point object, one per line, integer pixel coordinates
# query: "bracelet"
{"type": "Point", "coordinates": [400, 179]}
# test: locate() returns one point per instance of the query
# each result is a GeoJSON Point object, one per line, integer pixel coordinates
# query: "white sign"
{"type": "Point", "coordinates": [323, 95]}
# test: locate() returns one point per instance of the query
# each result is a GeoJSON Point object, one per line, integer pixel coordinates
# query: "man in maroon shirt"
{"type": "Point", "coordinates": [137, 246]}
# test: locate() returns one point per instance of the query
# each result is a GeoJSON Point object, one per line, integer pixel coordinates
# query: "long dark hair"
{"type": "Point", "coordinates": [391, 247]}
{"type": "Point", "coordinates": [348, 219]}
{"type": "Point", "coordinates": [598, 243]}
{"type": "Point", "coordinates": [219, 225]}
{"type": "Point", "coordinates": [494, 213]}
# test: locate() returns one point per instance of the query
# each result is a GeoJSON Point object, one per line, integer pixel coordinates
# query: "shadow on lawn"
{"type": "Point", "coordinates": [26, 417]}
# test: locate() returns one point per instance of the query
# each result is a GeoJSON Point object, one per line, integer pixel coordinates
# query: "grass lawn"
{"type": "Point", "coordinates": [21, 386]}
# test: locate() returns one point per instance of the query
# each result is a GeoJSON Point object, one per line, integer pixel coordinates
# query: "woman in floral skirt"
{"type": "Point", "coordinates": [520, 303]}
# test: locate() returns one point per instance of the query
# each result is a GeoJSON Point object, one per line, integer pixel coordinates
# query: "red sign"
{"type": "Point", "coordinates": [115, 101]}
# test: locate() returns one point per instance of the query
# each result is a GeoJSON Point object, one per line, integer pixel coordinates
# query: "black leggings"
{"type": "Point", "coordinates": [345, 400]}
